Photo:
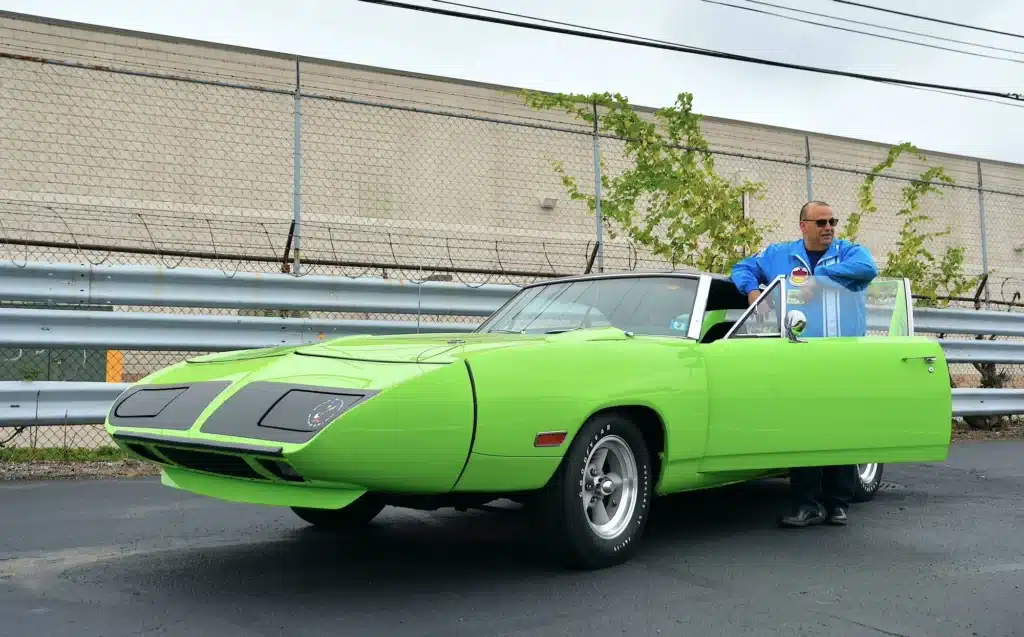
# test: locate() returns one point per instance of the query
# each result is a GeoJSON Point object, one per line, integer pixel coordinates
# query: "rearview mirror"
{"type": "Point", "coordinates": [795, 324]}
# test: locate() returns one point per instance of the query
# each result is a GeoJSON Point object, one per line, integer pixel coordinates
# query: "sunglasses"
{"type": "Point", "coordinates": [821, 223]}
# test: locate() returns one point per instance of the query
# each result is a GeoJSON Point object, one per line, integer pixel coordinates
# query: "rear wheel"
{"type": "Point", "coordinates": [596, 504]}
{"type": "Point", "coordinates": [869, 479]}
{"type": "Point", "coordinates": [354, 516]}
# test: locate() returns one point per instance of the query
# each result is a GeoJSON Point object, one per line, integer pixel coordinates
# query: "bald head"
{"type": "Point", "coordinates": [817, 225]}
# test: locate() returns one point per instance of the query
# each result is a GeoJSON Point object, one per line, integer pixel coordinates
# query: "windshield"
{"type": "Point", "coordinates": [649, 305]}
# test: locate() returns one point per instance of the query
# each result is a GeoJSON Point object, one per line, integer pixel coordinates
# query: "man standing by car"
{"type": "Point", "coordinates": [831, 262]}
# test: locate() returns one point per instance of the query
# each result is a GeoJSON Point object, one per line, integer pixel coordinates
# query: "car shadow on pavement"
{"type": "Point", "coordinates": [726, 510]}
{"type": "Point", "coordinates": [403, 553]}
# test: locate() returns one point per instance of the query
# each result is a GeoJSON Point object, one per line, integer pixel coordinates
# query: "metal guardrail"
{"type": "Point", "coordinates": [51, 329]}
{"type": "Point", "coordinates": [37, 404]}
{"type": "Point", "coordinates": [929, 320]}
{"type": "Point", "coordinates": [988, 402]}
{"type": "Point", "coordinates": [59, 403]}
{"type": "Point", "coordinates": [195, 287]}
{"type": "Point", "coordinates": [40, 403]}
{"type": "Point", "coordinates": [975, 351]}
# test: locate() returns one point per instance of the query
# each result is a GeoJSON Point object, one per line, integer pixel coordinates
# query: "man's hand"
{"type": "Point", "coordinates": [762, 310]}
{"type": "Point", "coordinates": [808, 290]}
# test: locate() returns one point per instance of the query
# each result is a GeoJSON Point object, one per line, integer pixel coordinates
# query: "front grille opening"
{"type": "Point", "coordinates": [281, 470]}
{"type": "Point", "coordinates": [145, 452]}
{"type": "Point", "coordinates": [219, 463]}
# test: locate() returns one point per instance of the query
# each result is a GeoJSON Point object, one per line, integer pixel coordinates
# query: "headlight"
{"type": "Point", "coordinates": [147, 403]}
{"type": "Point", "coordinates": [305, 410]}
{"type": "Point", "coordinates": [167, 406]}
{"type": "Point", "coordinates": [282, 412]}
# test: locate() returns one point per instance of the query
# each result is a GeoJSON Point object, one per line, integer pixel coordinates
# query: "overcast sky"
{"type": "Point", "coordinates": [352, 31]}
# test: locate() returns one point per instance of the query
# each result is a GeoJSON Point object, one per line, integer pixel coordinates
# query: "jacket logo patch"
{"type": "Point", "coordinates": [798, 275]}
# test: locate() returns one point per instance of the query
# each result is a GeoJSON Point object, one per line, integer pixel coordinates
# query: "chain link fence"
{"type": "Point", "coordinates": [121, 165]}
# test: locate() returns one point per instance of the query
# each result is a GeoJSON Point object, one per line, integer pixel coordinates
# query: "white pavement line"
{"type": "Point", "coordinates": [1009, 567]}
{"type": "Point", "coordinates": [35, 565]}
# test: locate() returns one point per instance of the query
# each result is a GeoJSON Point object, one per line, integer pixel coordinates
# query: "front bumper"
{"type": "Point", "coordinates": [236, 460]}
{"type": "Point", "coordinates": [413, 436]}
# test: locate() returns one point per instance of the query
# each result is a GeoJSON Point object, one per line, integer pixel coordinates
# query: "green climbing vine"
{"type": "Point", "coordinates": [670, 199]}
{"type": "Point", "coordinates": [931, 277]}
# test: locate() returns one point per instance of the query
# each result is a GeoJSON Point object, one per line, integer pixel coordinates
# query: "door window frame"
{"type": "Point", "coordinates": [778, 283]}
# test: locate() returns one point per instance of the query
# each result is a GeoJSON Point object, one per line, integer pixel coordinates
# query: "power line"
{"type": "Point", "coordinates": [932, 90]}
{"type": "Point", "coordinates": [767, 4]}
{"type": "Point", "coordinates": [687, 49]}
{"type": "Point", "coordinates": [929, 19]}
{"type": "Point", "coordinates": [849, 30]}
{"type": "Point", "coordinates": [968, 97]}
{"type": "Point", "coordinates": [566, 24]}
{"type": "Point", "coordinates": [888, 28]}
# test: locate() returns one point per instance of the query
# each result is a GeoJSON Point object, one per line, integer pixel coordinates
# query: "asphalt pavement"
{"type": "Point", "coordinates": [938, 553]}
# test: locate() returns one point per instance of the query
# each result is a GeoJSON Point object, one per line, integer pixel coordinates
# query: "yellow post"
{"type": "Point", "coordinates": [115, 366]}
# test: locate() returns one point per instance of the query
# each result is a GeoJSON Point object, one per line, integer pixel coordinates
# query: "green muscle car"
{"type": "Point", "coordinates": [582, 398]}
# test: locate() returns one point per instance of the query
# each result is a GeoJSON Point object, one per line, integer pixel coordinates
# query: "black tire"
{"type": "Point", "coordinates": [562, 502]}
{"type": "Point", "coordinates": [867, 486]}
{"type": "Point", "coordinates": [352, 517]}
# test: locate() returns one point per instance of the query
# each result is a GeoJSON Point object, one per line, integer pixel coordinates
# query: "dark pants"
{"type": "Point", "coordinates": [832, 487]}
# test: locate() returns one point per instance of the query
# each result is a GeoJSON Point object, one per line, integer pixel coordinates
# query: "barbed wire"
{"type": "Point", "coordinates": [334, 249]}
{"type": "Point", "coordinates": [136, 237]}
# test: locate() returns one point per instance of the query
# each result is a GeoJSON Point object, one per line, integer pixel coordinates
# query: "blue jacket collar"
{"type": "Point", "coordinates": [800, 252]}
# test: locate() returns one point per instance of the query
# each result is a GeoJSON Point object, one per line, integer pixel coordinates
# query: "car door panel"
{"type": "Point", "coordinates": [777, 403]}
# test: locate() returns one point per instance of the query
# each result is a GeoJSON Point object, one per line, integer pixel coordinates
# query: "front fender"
{"type": "Point", "coordinates": [521, 392]}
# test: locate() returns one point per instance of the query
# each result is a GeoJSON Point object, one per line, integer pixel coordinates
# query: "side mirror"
{"type": "Point", "coordinates": [795, 324]}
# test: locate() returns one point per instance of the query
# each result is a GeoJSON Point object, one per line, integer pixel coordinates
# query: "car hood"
{"type": "Point", "coordinates": [439, 348]}
{"type": "Point", "coordinates": [417, 348]}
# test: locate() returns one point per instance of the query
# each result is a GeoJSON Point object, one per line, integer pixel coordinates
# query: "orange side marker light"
{"type": "Point", "coordinates": [549, 439]}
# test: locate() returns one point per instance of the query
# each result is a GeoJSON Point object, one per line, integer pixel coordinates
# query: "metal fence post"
{"type": "Point", "coordinates": [297, 172]}
{"type": "Point", "coordinates": [981, 223]}
{"type": "Point", "coordinates": [807, 163]}
{"type": "Point", "coordinates": [597, 195]}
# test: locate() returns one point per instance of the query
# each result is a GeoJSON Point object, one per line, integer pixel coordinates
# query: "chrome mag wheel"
{"type": "Point", "coordinates": [867, 472]}
{"type": "Point", "coordinates": [869, 481]}
{"type": "Point", "coordinates": [610, 487]}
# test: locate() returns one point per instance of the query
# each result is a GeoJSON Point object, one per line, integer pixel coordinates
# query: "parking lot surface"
{"type": "Point", "coordinates": [938, 553]}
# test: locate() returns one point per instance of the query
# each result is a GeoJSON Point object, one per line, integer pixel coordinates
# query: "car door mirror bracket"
{"type": "Point", "coordinates": [794, 325]}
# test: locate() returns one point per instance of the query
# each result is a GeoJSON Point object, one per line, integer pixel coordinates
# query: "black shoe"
{"type": "Point", "coordinates": [803, 517]}
{"type": "Point", "coordinates": [837, 516]}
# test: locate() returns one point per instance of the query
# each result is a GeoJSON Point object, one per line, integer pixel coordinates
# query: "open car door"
{"type": "Point", "coordinates": [818, 372]}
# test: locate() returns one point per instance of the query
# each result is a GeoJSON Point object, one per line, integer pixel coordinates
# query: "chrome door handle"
{"type": "Point", "coordinates": [928, 359]}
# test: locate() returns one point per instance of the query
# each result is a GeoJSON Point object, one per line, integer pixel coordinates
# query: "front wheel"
{"type": "Point", "coordinates": [354, 516]}
{"type": "Point", "coordinates": [869, 480]}
{"type": "Point", "coordinates": [597, 503]}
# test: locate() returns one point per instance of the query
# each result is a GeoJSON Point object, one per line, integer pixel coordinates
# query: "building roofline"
{"type": "Point", "coordinates": [234, 48]}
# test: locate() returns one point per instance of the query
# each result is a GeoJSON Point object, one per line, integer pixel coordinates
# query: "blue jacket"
{"type": "Point", "coordinates": [838, 306]}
